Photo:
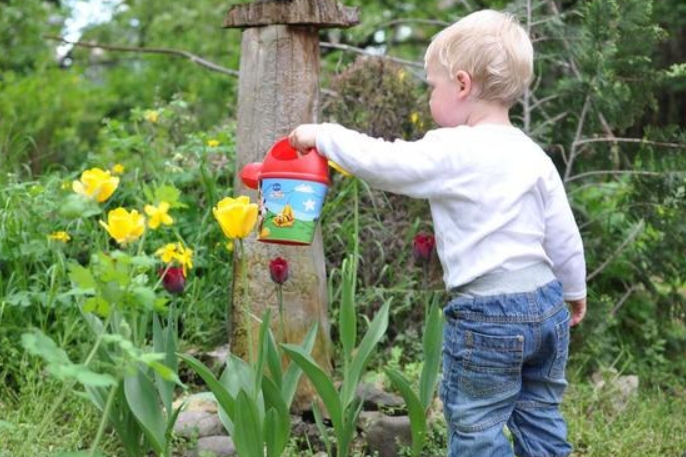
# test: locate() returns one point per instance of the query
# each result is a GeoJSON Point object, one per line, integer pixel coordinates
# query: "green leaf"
{"type": "Point", "coordinates": [144, 297]}
{"type": "Point", "coordinates": [293, 372]}
{"type": "Point", "coordinates": [321, 381]}
{"type": "Point", "coordinates": [376, 331]}
{"type": "Point", "coordinates": [347, 318]}
{"type": "Point", "coordinates": [144, 404]}
{"type": "Point", "coordinates": [248, 436]}
{"type": "Point", "coordinates": [96, 305]}
{"type": "Point", "coordinates": [274, 360]}
{"type": "Point", "coordinates": [82, 276]}
{"type": "Point", "coordinates": [224, 398]}
{"type": "Point", "coordinates": [262, 352]}
{"type": "Point", "coordinates": [280, 426]}
{"type": "Point", "coordinates": [432, 342]}
{"type": "Point", "coordinates": [415, 409]}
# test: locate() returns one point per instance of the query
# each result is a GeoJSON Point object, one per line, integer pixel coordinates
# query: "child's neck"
{"type": "Point", "coordinates": [485, 112]}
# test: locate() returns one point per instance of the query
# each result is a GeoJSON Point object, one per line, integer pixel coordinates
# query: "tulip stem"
{"type": "Point", "coordinates": [246, 306]}
{"type": "Point", "coordinates": [282, 329]}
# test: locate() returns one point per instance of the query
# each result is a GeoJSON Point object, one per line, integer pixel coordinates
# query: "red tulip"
{"type": "Point", "coordinates": [173, 279]}
{"type": "Point", "coordinates": [278, 270]}
{"type": "Point", "coordinates": [423, 247]}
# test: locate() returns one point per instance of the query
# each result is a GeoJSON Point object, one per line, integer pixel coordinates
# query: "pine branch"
{"type": "Point", "coordinates": [621, 248]}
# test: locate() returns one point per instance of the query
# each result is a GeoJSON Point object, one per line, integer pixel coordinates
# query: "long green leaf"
{"type": "Point", "coordinates": [321, 381]}
{"type": "Point", "coordinates": [279, 426]}
{"type": "Point", "coordinates": [293, 372]}
{"type": "Point", "coordinates": [347, 317]}
{"type": "Point", "coordinates": [323, 430]}
{"type": "Point", "coordinates": [248, 436]}
{"type": "Point", "coordinates": [432, 342]}
{"type": "Point", "coordinates": [415, 410]}
{"type": "Point", "coordinates": [160, 344]}
{"type": "Point", "coordinates": [262, 352]}
{"type": "Point", "coordinates": [226, 401]}
{"type": "Point", "coordinates": [274, 360]}
{"type": "Point", "coordinates": [376, 331]}
{"type": "Point", "coordinates": [143, 401]}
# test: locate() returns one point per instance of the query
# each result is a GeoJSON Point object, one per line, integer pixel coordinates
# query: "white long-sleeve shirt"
{"type": "Point", "coordinates": [498, 203]}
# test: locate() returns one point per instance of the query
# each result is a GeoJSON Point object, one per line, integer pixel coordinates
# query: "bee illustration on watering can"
{"type": "Point", "coordinates": [285, 218]}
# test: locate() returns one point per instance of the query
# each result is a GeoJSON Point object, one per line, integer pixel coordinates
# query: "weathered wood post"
{"type": "Point", "coordinates": [278, 90]}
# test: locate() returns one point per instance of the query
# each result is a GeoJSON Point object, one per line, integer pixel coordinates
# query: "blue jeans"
{"type": "Point", "coordinates": [504, 360]}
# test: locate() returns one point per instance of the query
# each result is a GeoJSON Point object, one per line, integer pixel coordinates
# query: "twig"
{"type": "Point", "coordinates": [632, 236]}
{"type": "Point", "coordinates": [353, 49]}
{"type": "Point", "coordinates": [622, 300]}
{"type": "Point", "coordinates": [169, 51]}
{"type": "Point", "coordinates": [577, 136]}
{"type": "Point", "coordinates": [613, 172]}
{"type": "Point", "coordinates": [613, 139]}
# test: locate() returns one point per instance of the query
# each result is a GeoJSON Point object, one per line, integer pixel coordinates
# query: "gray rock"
{"type": "Point", "coordinates": [376, 398]}
{"type": "Point", "coordinates": [217, 446]}
{"type": "Point", "coordinates": [198, 423]}
{"type": "Point", "coordinates": [385, 434]}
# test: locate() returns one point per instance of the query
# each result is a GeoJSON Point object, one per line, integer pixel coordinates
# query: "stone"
{"type": "Point", "coordinates": [620, 388]}
{"type": "Point", "coordinates": [217, 446]}
{"type": "Point", "coordinates": [386, 434]}
{"type": "Point", "coordinates": [376, 399]}
{"type": "Point", "coordinates": [198, 424]}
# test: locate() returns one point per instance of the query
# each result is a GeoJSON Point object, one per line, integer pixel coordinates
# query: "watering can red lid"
{"type": "Point", "coordinates": [283, 161]}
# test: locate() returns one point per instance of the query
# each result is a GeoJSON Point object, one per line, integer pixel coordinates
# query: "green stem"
{"type": "Point", "coordinates": [279, 295]}
{"type": "Point", "coordinates": [103, 421]}
{"type": "Point", "coordinates": [246, 305]}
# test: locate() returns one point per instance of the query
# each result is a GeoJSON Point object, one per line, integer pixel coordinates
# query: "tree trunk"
{"type": "Point", "coordinates": [278, 90]}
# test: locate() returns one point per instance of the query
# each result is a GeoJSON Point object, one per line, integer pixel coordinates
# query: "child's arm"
{"type": "Point", "coordinates": [564, 246]}
{"type": "Point", "coordinates": [405, 167]}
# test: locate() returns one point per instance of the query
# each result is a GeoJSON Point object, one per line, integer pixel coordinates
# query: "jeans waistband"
{"type": "Point", "coordinates": [508, 282]}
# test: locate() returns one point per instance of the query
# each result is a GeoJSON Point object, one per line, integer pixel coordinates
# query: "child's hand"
{"type": "Point", "coordinates": [304, 137]}
{"type": "Point", "coordinates": [578, 310]}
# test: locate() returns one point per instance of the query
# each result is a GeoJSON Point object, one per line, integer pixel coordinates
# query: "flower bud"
{"type": "Point", "coordinates": [173, 279]}
{"type": "Point", "coordinates": [278, 270]}
{"type": "Point", "coordinates": [423, 247]}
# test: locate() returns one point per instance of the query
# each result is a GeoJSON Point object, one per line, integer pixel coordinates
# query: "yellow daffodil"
{"type": "Point", "coordinates": [414, 117]}
{"type": "Point", "coordinates": [96, 184]}
{"type": "Point", "coordinates": [167, 252]}
{"type": "Point", "coordinates": [236, 216]}
{"type": "Point", "coordinates": [212, 143]}
{"type": "Point", "coordinates": [124, 226]}
{"type": "Point", "coordinates": [158, 215]}
{"type": "Point", "coordinates": [229, 246]}
{"type": "Point", "coordinates": [118, 169]}
{"type": "Point", "coordinates": [151, 116]}
{"type": "Point", "coordinates": [60, 236]}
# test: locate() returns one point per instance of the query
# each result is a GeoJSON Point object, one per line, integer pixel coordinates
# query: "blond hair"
{"type": "Point", "coordinates": [493, 48]}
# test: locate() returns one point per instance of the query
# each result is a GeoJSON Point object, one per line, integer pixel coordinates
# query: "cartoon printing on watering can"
{"type": "Point", "coordinates": [292, 189]}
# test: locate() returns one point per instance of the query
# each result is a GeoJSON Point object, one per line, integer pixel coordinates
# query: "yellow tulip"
{"type": "Point", "coordinates": [236, 216]}
{"type": "Point", "coordinates": [96, 184]}
{"type": "Point", "coordinates": [60, 236]}
{"type": "Point", "coordinates": [158, 215]}
{"type": "Point", "coordinates": [124, 226]}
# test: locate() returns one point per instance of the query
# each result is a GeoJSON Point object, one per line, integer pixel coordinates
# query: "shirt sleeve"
{"type": "Point", "coordinates": [563, 242]}
{"type": "Point", "coordinates": [402, 167]}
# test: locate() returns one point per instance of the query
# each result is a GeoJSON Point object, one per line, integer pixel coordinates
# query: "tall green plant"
{"type": "Point", "coordinates": [342, 405]}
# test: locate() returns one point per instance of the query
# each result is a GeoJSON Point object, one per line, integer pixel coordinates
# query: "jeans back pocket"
{"type": "Point", "coordinates": [492, 364]}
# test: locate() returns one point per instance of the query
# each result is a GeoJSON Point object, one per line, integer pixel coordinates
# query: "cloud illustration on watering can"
{"type": "Point", "coordinates": [305, 189]}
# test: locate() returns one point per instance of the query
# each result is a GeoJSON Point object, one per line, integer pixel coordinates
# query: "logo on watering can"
{"type": "Point", "coordinates": [292, 190]}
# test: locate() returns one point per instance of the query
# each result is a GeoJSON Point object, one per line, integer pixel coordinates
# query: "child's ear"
{"type": "Point", "coordinates": [464, 82]}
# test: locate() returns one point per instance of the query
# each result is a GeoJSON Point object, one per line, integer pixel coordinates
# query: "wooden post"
{"type": "Point", "coordinates": [278, 90]}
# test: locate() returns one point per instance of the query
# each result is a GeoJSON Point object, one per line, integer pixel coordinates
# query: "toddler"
{"type": "Point", "coordinates": [509, 247]}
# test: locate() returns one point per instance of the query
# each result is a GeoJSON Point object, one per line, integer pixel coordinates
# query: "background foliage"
{"type": "Point", "coordinates": [607, 105]}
